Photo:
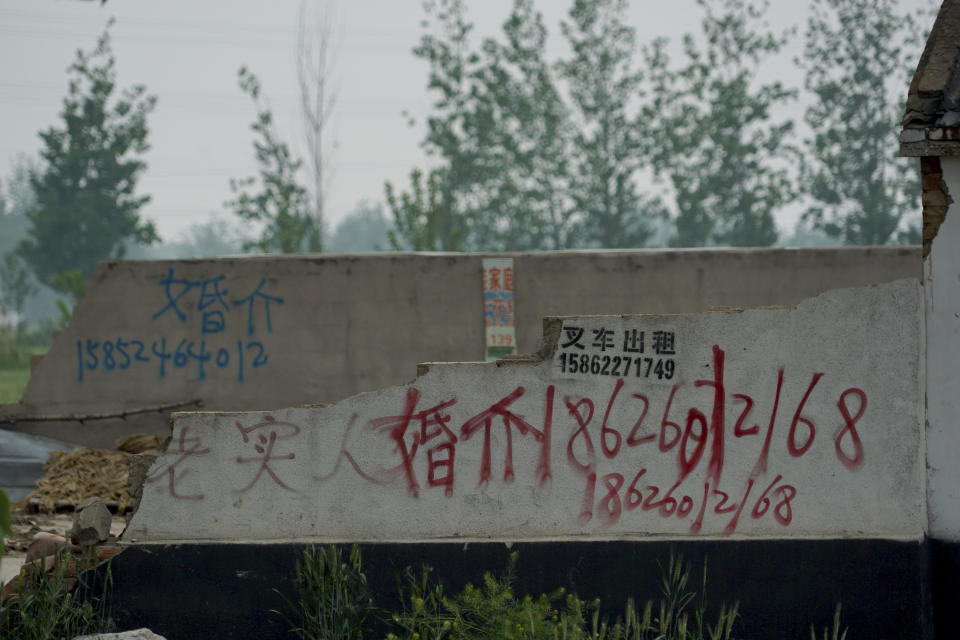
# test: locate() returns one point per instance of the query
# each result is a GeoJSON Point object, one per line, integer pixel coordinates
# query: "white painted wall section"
{"type": "Point", "coordinates": [942, 300]}
{"type": "Point", "coordinates": [762, 423]}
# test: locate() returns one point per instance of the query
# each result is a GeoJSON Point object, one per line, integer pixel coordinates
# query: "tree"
{"type": "Point", "coordinates": [607, 148]}
{"type": "Point", "coordinates": [316, 53]}
{"type": "Point", "coordinates": [19, 289]}
{"type": "Point", "coordinates": [500, 130]}
{"type": "Point", "coordinates": [72, 284]}
{"type": "Point", "coordinates": [444, 216]}
{"type": "Point", "coordinates": [279, 201]}
{"type": "Point", "coordinates": [718, 145]}
{"type": "Point", "coordinates": [16, 283]}
{"type": "Point", "coordinates": [215, 236]}
{"type": "Point", "coordinates": [16, 199]}
{"type": "Point", "coordinates": [421, 219]}
{"type": "Point", "coordinates": [857, 58]}
{"type": "Point", "coordinates": [805, 235]}
{"type": "Point", "coordinates": [527, 140]}
{"type": "Point", "coordinates": [363, 229]}
{"type": "Point", "coordinates": [86, 207]}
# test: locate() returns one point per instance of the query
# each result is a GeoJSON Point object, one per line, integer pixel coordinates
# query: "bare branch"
{"type": "Point", "coordinates": [317, 47]}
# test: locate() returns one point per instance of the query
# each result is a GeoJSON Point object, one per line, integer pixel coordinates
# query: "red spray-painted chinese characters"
{"type": "Point", "coordinates": [689, 444]}
{"type": "Point", "coordinates": [269, 431]}
{"type": "Point", "coordinates": [628, 450]}
{"type": "Point", "coordinates": [185, 448]}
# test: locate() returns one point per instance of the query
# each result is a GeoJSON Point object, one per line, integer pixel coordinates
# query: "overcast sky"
{"type": "Point", "coordinates": [188, 53]}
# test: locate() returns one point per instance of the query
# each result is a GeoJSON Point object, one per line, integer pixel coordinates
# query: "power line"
{"type": "Point", "coordinates": [203, 28]}
{"type": "Point", "coordinates": [180, 36]}
{"type": "Point", "coordinates": [213, 96]}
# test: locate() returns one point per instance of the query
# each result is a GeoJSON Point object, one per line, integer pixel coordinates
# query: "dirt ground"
{"type": "Point", "coordinates": [26, 524]}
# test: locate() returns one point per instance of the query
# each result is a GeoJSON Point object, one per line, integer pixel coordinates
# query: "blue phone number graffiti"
{"type": "Point", "coordinates": [121, 355]}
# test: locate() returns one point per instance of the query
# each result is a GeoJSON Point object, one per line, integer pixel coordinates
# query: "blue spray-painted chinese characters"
{"type": "Point", "coordinates": [214, 349]}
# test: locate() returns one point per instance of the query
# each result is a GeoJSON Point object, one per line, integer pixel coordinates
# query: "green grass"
{"type": "Point", "coordinates": [12, 384]}
{"type": "Point", "coordinates": [15, 353]}
{"type": "Point", "coordinates": [43, 608]}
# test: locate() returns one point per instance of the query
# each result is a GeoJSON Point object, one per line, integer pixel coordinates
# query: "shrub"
{"type": "Point", "coordinates": [335, 603]}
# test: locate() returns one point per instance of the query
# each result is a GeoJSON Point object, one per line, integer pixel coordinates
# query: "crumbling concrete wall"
{"type": "Point", "coordinates": [763, 423]}
{"type": "Point", "coordinates": [271, 332]}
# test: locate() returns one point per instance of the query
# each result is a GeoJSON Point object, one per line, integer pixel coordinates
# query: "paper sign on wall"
{"type": "Point", "coordinates": [498, 307]}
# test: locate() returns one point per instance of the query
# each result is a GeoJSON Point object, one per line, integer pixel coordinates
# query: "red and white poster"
{"type": "Point", "coordinates": [498, 307]}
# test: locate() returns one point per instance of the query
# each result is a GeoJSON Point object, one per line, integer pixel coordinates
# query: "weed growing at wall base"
{"type": "Point", "coordinates": [834, 633]}
{"type": "Point", "coordinates": [46, 605]}
{"type": "Point", "coordinates": [335, 604]}
{"type": "Point", "coordinates": [489, 612]}
{"type": "Point", "coordinates": [6, 530]}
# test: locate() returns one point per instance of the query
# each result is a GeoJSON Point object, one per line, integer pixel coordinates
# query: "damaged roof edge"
{"type": "Point", "coordinates": [930, 123]}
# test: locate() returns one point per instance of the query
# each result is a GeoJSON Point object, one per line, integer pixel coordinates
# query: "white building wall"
{"type": "Point", "coordinates": [942, 294]}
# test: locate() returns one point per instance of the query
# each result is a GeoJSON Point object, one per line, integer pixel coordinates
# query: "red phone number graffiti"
{"type": "Point", "coordinates": [701, 439]}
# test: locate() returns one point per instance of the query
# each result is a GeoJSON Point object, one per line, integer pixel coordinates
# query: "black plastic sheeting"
{"type": "Point", "coordinates": [22, 457]}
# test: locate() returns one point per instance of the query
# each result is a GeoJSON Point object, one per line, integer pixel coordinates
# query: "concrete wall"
{"type": "Point", "coordinates": [761, 423]}
{"type": "Point", "coordinates": [271, 332]}
{"type": "Point", "coordinates": [942, 292]}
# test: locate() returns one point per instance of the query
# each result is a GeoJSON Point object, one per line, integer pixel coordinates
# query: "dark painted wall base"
{"type": "Point", "coordinates": [783, 586]}
{"type": "Point", "coordinates": [945, 578]}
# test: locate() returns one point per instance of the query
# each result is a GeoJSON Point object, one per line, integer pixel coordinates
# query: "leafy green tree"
{"type": "Point", "coordinates": [86, 207]}
{"type": "Point", "coordinates": [497, 130]}
{"type": "Point", "coordinates": [514, 173]}
{"type": "Point", "coordinates": [214, 236]}
{"type": "Point", "coordinates": [16, 198]}
{"type": "Point", "coordinates": [857, 58]}
{"type": "Point", "coordinates": [457, 135]}
{"type": "Point", "coordinates": [16, 283]}
{"type": "Point", "coordinates": [608, 147]}
{"type": "Point", "coordinates": [73, 285]}
{"type": "Point", "coordinates": [421, 219]}
{"type": "Point", "coordinates": [718, 143]}
{"type": "Point", "coordinates": [804, 235]}
{"type": "Point", "coordinates": [527, 139]}
{"type": "Point", "coordinates": [363, 229]}
{"type": "Point", "coordinates": [274, 198]}
{"type": "Point", "coordinates": [217, 234]}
